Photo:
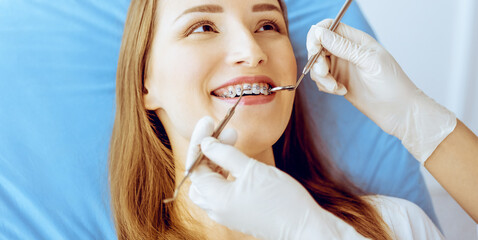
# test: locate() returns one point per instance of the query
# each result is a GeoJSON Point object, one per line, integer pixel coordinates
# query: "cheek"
{"type": "Point", "coordinates": [180, 75]}
{"type": "Point", "coordinates": [282, 59]}
{"type": "Point", "coordinates": [289, 66]}
{"type": "Point", "coordinates": [180, 69]}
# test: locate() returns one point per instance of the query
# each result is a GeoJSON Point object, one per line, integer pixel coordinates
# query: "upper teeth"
{"type": "Point", "coordinates": [235, 90]}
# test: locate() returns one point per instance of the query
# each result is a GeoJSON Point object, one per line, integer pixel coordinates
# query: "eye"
{"type": "Point", "coordinates": [203, 26]}
{"type": "Point", "coordinates": [269, 26]}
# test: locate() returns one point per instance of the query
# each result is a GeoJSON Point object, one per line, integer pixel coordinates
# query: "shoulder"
{"type": "Point", "coordinates": [393, 204]}
{"type": "Point", "coordinates": [405, 219]}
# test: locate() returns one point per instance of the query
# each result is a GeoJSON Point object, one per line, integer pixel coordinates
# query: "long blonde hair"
{"type": "Point", "coordinates": [142, 169]}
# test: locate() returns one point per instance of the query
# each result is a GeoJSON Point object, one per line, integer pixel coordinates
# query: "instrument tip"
{"type": "Point", "coordinates": [168, 200]}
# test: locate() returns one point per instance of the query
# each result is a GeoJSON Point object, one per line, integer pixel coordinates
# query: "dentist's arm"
{"type": "Point", "coordinates": [454, 164]}
{"type": "Point", "coordinates": [261, 201]}
{"type": "Point", "coordinates": [359, 68]}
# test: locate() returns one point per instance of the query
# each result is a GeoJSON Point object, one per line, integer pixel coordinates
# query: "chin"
{"type": "Point", "coordinates": [254, 141]}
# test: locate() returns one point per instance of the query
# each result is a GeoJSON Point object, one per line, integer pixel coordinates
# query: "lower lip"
{"type": "Point", "coordinates": [250, 100]}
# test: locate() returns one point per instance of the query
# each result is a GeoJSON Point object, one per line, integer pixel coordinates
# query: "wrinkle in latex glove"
{"type": "Point", "coordinates": [378, 87]}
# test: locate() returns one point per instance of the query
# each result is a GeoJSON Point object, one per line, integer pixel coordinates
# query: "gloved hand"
{"type": "Point", "coordinates": [261, 201]}
{"type": "Point", "coordinates": [357, 66]}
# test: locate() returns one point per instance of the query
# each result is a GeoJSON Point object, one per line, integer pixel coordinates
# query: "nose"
{"type": "Point", "coordinates": [245, 50]}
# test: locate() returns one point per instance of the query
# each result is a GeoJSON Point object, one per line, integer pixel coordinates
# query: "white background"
{"type": "Point", "coordinates": [436, 43]}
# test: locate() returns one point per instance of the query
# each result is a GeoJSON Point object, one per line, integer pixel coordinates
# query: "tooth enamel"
{"type": "Point", "coordinates": [238, 89]}
{"type": "Point", "coordinates": [256, 89]}
{"type": "Point", "coordinates": [231, 92]}
{"type": "Point", "coordinates": [223, 93]}
{"type": "Point", "coordinates": [247, 88]}
{"type": "Point", "coordinates": [265, 90]}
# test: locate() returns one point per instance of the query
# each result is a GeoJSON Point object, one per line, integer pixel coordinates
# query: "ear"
{"type": "Point", "coordinates": [150, 96]}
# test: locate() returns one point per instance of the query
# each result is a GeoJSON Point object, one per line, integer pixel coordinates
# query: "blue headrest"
{"type": "Point", "coordinates": [57, 85]}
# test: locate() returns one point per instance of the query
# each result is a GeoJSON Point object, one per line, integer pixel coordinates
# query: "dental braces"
{"type": "Point", "coordinates": [249, 89]}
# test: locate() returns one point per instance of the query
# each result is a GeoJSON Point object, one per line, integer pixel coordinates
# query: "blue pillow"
{"type": "Point", "coordinates": [57, 85]}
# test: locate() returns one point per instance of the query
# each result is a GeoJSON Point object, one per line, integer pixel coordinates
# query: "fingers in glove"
{"type": "Point", "coordinates": [228, 157]}
{"type": "Point", "coordinates": [321, 67]}
{"type": "Point", "coordinates": [328, 84]}
{"type": "Point", "coordinates": [228, 136]}
{"type": "Point", "coordinates": [346, 42]}
{"type": "Point", "coordinates": [346, 31]}
{"type": "Point", "coordinates": [343, 47]}
{"type": "Point", "coordinates": [325, 81]}
{"type": "Point", "coordinates": [204, 128]}
{"type": "Point", "coordinates": [313, 43]}
{"type": "Point", "coordinates": [207, 188]}
{"type": "Point", "coordinates": [198, 199]}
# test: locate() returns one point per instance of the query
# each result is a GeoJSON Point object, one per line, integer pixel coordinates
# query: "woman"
{"type": "Point", "coordinates": [177, 60]}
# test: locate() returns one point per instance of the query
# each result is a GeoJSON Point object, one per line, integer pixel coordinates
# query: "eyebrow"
{"type": "Point", "coordinates": [205, 8]}
{"type": "Point", "coordinates": [265, 7]}
{"type": "Point", "coordinates": [210, 8]}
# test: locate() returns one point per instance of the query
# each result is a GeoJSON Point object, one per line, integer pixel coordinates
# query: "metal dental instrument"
{"type": "Point", "coordinates": [200, 157]}
{"type": "Point", "coordinates": [314, 58]}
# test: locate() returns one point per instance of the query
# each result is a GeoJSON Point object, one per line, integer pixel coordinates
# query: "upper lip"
{"type": "Point", "coordinates": [247, 79]}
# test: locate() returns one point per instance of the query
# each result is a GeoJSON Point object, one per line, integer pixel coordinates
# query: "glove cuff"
{"type": "Point", "coordinates": [427, 125]}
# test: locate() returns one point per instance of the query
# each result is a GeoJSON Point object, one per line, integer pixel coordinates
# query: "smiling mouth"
{"type": "Point", "coordinates": [233, 91]}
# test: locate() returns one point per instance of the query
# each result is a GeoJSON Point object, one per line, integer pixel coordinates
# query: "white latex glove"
{"type": "Point", "coordinates": [357, 66]}
{"type": "Point", "coordinates": [261, 201]}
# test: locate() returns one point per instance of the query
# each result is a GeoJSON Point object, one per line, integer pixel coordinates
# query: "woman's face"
{"type": "Point", "coordinates": [205, 48]}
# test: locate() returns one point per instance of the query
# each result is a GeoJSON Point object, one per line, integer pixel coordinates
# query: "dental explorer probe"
{"type": "Point", "coordinates": [200, 157]}
{"type": "Point", "coordinates": [314, 58]}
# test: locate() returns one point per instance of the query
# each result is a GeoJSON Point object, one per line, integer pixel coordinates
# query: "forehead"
{"type": "Point", "coordinates": [176, 8]}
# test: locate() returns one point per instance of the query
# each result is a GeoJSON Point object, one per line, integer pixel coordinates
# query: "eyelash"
{"type": "Point", "coordinates": [205, 22]}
